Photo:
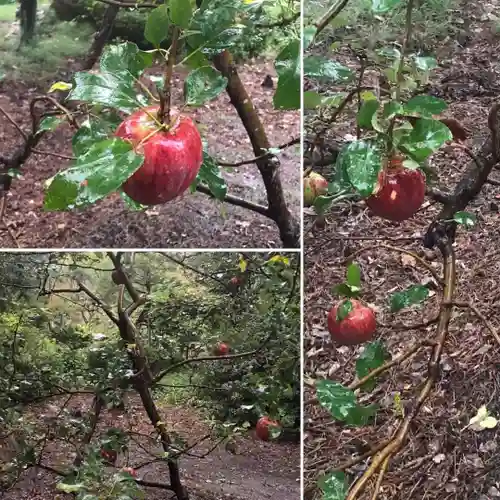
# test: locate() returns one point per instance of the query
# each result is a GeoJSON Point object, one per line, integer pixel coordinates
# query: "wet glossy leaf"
{"type": "Point", "coordinates": [126, 57]}
{"type": "Point", "coordinates": [92, 131]}
{"type": "Point", "coordinates": [180, 12]}
{"type": "Point", "coordinates": [365, 114]}
{"type": "Point", "coordinates": [345, 290]}
{"type": "Point", "coordinates": [115, 90]}
{"type": "Point", "coordinates": [353, 275]}
{"type": "Point", "coordinates": [132, 204]}
{"type": "Point", "coordinates": [343, 310]}
{"type": "Point", "coordinates": [392, 109]}
{"type": "Point", "coordinates": [324, 69]}
{"type": "Point", "coordinates": [336, 398]}
{"type": "Point", "coordinates": [373, 356]}
{"type": "Point", "coordinates": [361, 161]}
{"type": "Point", "coordinates": [413, 295]}
{"type": "Point", "coordinates": [210, 175]}
{"type": "Point", "coordinates": [425, 105]}
{"type": "Point", "coordinates": [334, 486]}
{"type": "Point", "coordinates": [287, 64]}
{"type": "Point", "coordinates": [425, 139]}
{"type": "Point", "coordinates": [49, 123]}
{"type": "Point", "coordinates": [156, 29]}
{"type": "Point", "coordinates": [425, 63]}
{"type": "Point", "coordinates": [465, 218]}
{"type": "Point", "coordinates": [383, 6]}
{"type": "Point", "coordinates": [203, 85]}
{"type": "Point", "coordinates": [99, 172]}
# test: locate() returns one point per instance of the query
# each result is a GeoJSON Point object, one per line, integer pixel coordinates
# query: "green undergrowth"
{"type": "Point", "coordinates": [434, 20]}
{"type": "Point", "coordinates": [46, 55]}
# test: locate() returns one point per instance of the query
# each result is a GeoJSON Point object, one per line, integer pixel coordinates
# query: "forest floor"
{"type": "Point", "coordinates": [441, 459]}
{"type": "Point", "coordinates": [192, 221]}
{"type": "Point", "coordinates": [257, 470]}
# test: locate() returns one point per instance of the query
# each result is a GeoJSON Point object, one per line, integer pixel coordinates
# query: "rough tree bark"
{"type": "Point", "coordinates": [101, 37]}
{"type": "Point", "coordinates": [27, 14]}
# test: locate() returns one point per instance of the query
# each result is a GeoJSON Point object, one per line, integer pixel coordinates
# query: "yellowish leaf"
{"type": "Point", "coordinates": [60, 86]}
{"type": "Point", "coordinates": [482, 420]}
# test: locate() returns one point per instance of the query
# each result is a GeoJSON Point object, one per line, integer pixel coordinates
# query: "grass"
{"type": "Point", "coordinates": [46, 55]}
{"type": "Point", "coordinates": [432, 21]}
{"type": "Point", "coordinates": [8, 11]}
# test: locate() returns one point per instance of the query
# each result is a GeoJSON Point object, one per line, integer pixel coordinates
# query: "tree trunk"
{"type": "Point", "coordinates": [101, 37]}
{"type": "Point", "coordinates": [27, 14]}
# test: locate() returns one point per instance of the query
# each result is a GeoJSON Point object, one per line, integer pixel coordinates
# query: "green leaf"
{"type": "Point", "coordinates": [362, 162]}
{"type": "Point", "coordinates": [92, 131]}
{"type": "Point", "coordinates": [324, 69]}
{"type": "Point", "coordinates": [311, 100]}
{"type": "Point", "coordinates": [99, 172]}
{"type": "Point", "coordinates": [361, 415]}
{"type": "Point", "coordinates": [336, 398]}
{"type": "Point", "coordinates": [413, 295]}
{"type": "Point", "coordinates": [425, 139]}
{"type": "Point", "coordinates": [373, 356]}
{"type": "Point", "coordinates": [49, 123]}
{"type": "Point", "coordinates": [383, 6]}
{"type": "Point", "coordinates": [156, 29]}
{"type": "Point", "coordinates": [203, 85]}
{"type": "Point", "coordinates": [334, 486]}
{"type": "Point", "coordinates": [287, 64]}
{"type": "Point", "coordinates": [115, 90]}
{"type": "Point", "coordinates": [365, 114]}
{"type": "Point", "coordinates": [425, 105]}
{"type": "Point", "coordinates": [125, 57]}
{"type": "Point", "coordinates": [354, 275]}
{"type": "Point", "coordinates": [210, 174]}
{"type": "Point", "coordinates": [425, 63]}
{"type": "Point", "coordinates": [392, 109]}
{"type": "Point", "coordinates": [308, 36]}
{"type": "Point", "coordinates": [132, 204]}
{"type": "Point", "coordinates": [345, 290]}
{"type": "Point", "coordinates": [466, 218]}
{"type": "Point", "coordinates": [180, 12]}
{"type": "Point", "coordinates": [343, 310]}
{"type": "Point", "coordinates": [70, 488]}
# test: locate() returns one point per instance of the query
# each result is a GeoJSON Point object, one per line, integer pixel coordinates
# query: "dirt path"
{"type": "Point", "coordinates": [194, 221]}
{"type": "Point", "coordinates": [441, 460]}
{"type": "Point", "coordinates": [257, 471]}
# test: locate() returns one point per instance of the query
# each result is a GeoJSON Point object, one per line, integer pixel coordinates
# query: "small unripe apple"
{"type": "Point", "coordinates": [109, 455]}
{"type": "Point", "coordinates": [172, 158]}
{"type": "Point", "coordinates": [221, 349]}
{"type": "Point", "coordinates": [262, 430]}
{"type": "Point", "coordinates": [356, 328]}
{"type": "Point", "coordinates": [399, 192]}
{"type": "Point", "coordinates": [130, 470]}
{"type": "Point", "coordinates": [314, 185]}
{"type": "Point", "coordinates": [117, 277]}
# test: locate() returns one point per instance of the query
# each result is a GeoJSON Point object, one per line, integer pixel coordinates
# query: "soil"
{"type": "Point", "coordinates": [441, 459]}
{"type": "Point", "coordinates": [193, 221]}
{"type": "Point", "coordinates": [257, 471]}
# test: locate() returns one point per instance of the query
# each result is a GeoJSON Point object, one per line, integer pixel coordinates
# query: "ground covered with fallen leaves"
{"type": "Point", "coordinates": [192, 221]}
{"type": "Point", "coordinates": [257, 470]}
{"type": "Point", "coordinates": [442, 459]}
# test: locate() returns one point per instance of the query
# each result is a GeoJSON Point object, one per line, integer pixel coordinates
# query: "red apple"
{"type": "Point", "coordinates": [221, 349]}
{"type": "Point", "coordinates": [399, 192]}
{"type": "Point", "coordinates": [314, 185]}
{"type": "Point", "coordinates": [172, 159]}
{"type": "Point", "coordinates": [262, 428]}
{"type": "Point", "coordinates": [357, 327]}
{"type": "Point", "coordinates": [130, 471]}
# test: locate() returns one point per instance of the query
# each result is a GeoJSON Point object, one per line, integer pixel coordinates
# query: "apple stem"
{"type": "Point", "coordinates": [166, 98]}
